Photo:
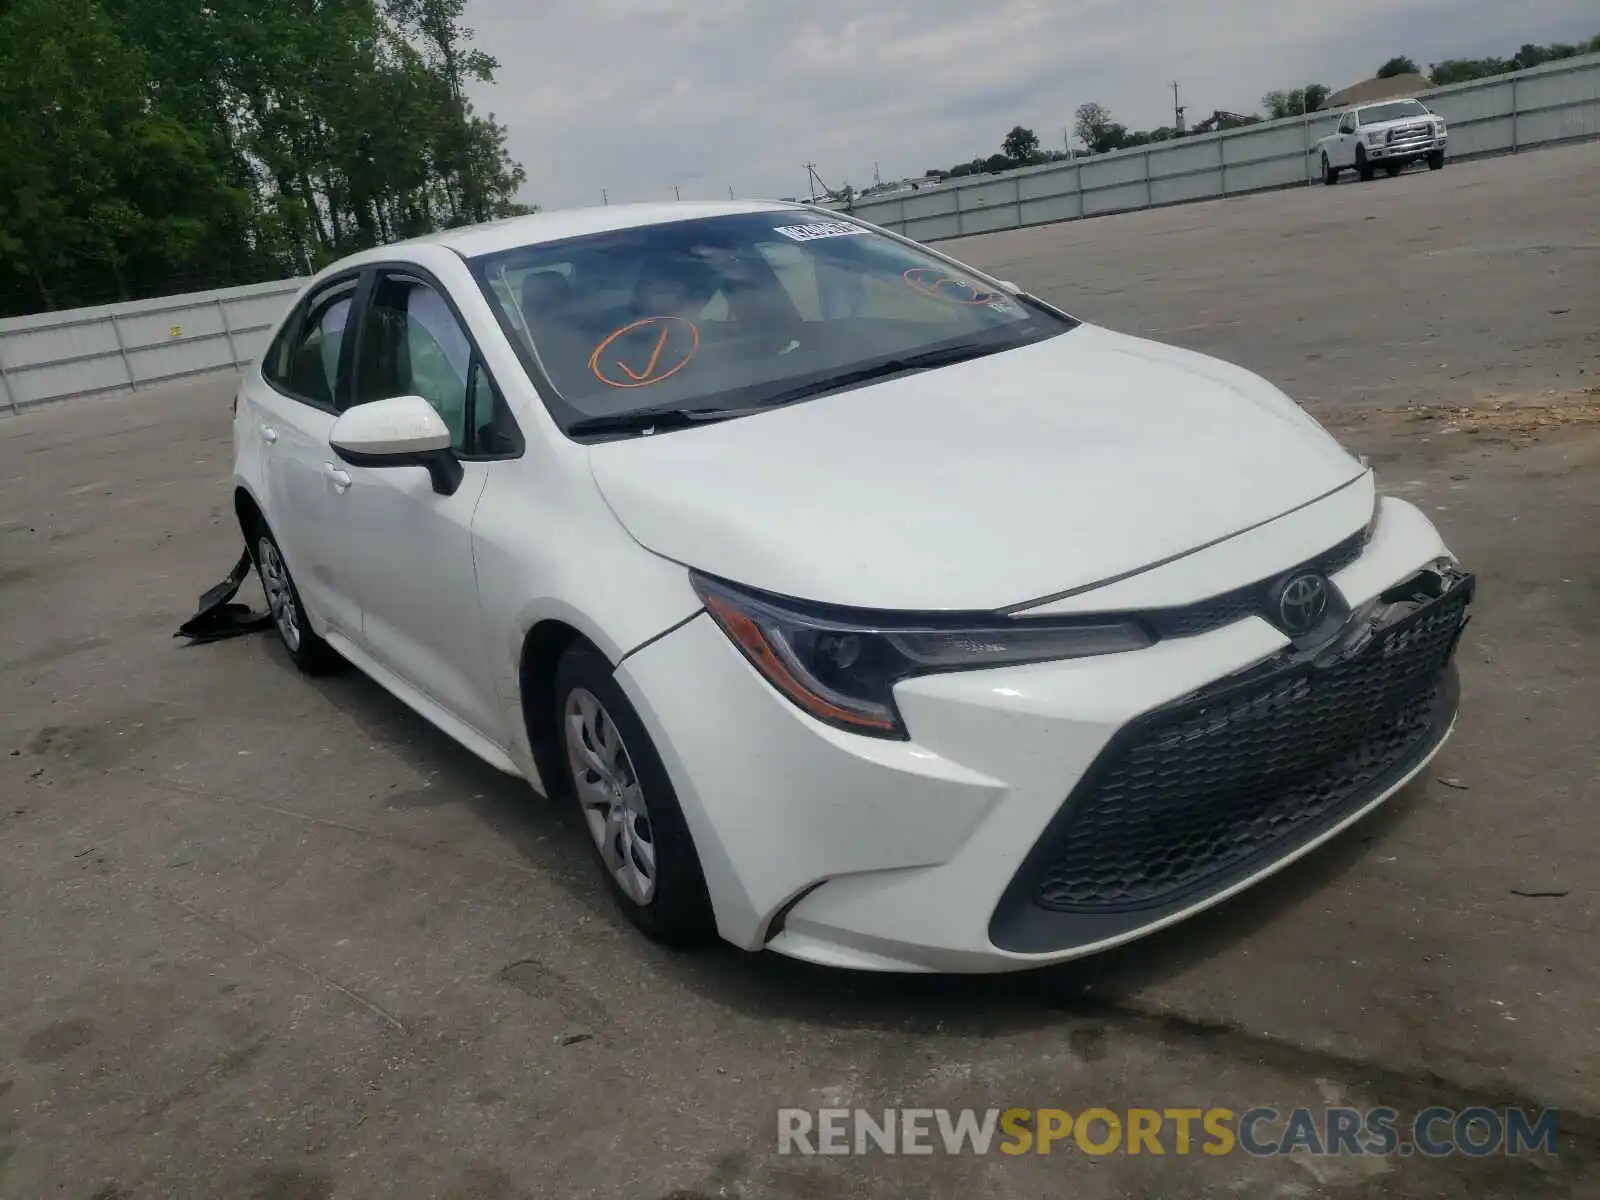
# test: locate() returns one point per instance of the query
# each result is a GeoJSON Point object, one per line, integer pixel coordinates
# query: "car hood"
{"type": "Point", "coordinates": [980, 485]}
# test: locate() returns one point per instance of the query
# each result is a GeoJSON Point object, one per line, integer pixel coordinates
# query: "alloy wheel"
{"type": "Point", "coordinates": [609, 791]}
{"type": "Point", "coordinates": [280, 594]}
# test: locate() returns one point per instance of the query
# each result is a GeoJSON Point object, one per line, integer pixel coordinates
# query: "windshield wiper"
{"type": "Point", "coordinates": [645, 420]}
{"type": "Point", "coordinates": [882, 370]}
{"type": "Point", "coordinates": [648, 419]}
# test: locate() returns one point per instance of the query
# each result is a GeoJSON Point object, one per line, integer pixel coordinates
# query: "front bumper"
{"type": "Point", "coordinates": [1408, 151]}
{"type": "Point", "coordinates": [1045, 812]}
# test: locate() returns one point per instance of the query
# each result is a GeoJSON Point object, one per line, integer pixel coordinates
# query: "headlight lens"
{"type": "Point", "coordinates": [1371, 530]}
{"type": "Point", "coordinates": [840, 665]}
{"type": "Point", "coordinates": [1375, 138]}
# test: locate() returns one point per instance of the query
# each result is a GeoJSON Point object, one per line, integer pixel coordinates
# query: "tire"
{"type": "Point", "coordinates": [1391, 169]}
{"type": "Point", "coordinates": [1436, 160]}
{"type": "Point", "coordinates": [308, 651]}
{"type": "Point", "coordinates": [1329, 175]}
{"type": "Point", "coordinates": [1363, 167]}
{"type": "Point", "coordinates": [630, 811]}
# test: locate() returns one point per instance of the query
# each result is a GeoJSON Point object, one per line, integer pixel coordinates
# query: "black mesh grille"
{"type": "Point", "coordinates": [1216, 611]}
{"type": "Point", "coordinates": [1204, 789]}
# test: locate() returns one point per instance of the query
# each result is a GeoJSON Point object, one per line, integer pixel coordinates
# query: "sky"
{"type": "Point", "coordinates": [635, 98]}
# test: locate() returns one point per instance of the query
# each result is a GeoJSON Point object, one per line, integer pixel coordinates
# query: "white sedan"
{"type": "Point", "coordinates": [872, 610]}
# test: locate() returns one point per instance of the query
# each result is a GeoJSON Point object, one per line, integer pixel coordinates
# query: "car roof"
{"type": "Point", "coordinates": [512, 232]}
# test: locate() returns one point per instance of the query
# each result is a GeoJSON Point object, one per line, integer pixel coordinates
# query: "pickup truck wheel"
{"type": "Point", "coordinates": [1329, 175]}
{"type": "Point", "coordinates": [1363, 167]}
{"type": "Point", "coordinates": [1436, 160]}
{"type": "Point", "coordinates": [1391, 169]}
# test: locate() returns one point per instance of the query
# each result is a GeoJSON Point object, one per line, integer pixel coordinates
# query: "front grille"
{"type": "Point", "coordinates": [1216, 611]}
{"type": "Point", "coordinates": [1206, 790]}
{"type": "Point", "coordinates": [1412, 135]}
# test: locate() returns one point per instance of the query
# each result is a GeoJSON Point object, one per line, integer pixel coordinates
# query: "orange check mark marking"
{"type": "Point", "coordinates": [650, 367]}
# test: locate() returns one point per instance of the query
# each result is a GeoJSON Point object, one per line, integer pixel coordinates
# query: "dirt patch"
{"type": "Point", "coordinates": [57, 1040]}
{"type": "Point", "coordinates": [1507, 415]}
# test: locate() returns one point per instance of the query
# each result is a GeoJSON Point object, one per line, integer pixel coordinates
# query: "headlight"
{"type": "Point", "coordinates": [841, 665]}
{"type": "Point", "coordinates": [1438, 128]}
{"type": "Point", "coordinates": [1371, 531]}
{"type": "Point", "coordinates": [1375, 138]}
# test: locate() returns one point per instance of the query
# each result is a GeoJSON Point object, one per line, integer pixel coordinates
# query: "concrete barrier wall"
{"type": "Point", "coordinates": [122, 347]}
{"type": "Point", "coordinates": [126, 347]}
{"type": "Point", "coordinates": [1542, 106]}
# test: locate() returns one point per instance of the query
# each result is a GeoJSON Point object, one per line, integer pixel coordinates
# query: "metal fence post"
{"type": "Point", "coordinates": [1149, 194]}
{"type": "Point", "coordinates": [958, 210]}
{"type": "Point", "coordinates": [222, 315]}
{"type": "Point", "coordinates": [1222, 165]}
{"type": "Point", "coordinates": [122, 352]}
{"type": "Point", "coordinates": [5, 388]}
{"type": "Point", "coordinates": [1515, 112]}
{"type": "Point", "coordinates": [1017, 181]}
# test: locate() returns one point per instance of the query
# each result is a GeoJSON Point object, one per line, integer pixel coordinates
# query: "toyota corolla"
{"type": "Point", "coordinates": [872, 610]}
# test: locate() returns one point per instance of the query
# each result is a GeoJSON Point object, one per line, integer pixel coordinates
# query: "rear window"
{"type": "Point", "coordinates": [723, 311]}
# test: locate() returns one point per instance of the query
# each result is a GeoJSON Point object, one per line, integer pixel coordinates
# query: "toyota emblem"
{"type": "Point", "coordinates": [1302, 603]}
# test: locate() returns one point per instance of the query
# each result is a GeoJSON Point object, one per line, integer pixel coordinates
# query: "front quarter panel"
{"type": "Point", "coordinates": [547, 548]}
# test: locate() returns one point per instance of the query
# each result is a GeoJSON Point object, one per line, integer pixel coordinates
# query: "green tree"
{"type": "Point", "coordinates": [1295, 102]}
{"type": "Point", "coordinates": [148, 146]}
{"type": "Point", "coordinates": [1398, 65]}
{"type": "Point", "coordinates": [1020, 145]}
{"type": "Point", "coordinates": [1096, 130]}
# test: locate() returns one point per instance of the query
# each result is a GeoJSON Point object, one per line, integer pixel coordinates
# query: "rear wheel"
{"type": "Point", "coordinates": [1391, 169]}
{"type": "Point", "coordinates": [1329, 175]}
{"type": "Point", "coordinates": [1363, 166]}
{"type": "Point", "coordinates": [309, 652]}
{"type": "Point", "coordinates": [1436, 160]}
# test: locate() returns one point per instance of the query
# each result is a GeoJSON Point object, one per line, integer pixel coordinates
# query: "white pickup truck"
{"type": "Point", "coordinates": [1390, 134]}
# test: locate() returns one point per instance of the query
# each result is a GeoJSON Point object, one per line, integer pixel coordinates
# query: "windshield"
{"type": "Point", "coordinates": [1397, 110]}
{"type": "Point", "coordinates": [730, 313]}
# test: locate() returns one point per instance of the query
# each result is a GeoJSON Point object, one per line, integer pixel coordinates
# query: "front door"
{"type": "Point", "coordinates": [408, 548]}
{"type": "Point", "coordinates": [1346, 144]}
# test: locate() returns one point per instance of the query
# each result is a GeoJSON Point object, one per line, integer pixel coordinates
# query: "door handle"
{"type": "Point", "coordinates": [340, 478]}
{"type": "Point", "coordinates": [269, 433]}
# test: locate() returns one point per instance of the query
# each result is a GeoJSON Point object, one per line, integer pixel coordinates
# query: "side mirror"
{"type": "Point", "coordinates": [402, 431]}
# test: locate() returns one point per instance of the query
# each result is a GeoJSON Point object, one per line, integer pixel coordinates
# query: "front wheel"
{"type": "Point", "coordinates": [1391, 169]}
{"type": "Point", "coordinates": [637, 828]}
{"type": "Point", "coordinates": [1363, 166]}
{"type": "Point", "coordinates": [1330, 176]}
{"type": "Point", "coordinates": [1436, 160]}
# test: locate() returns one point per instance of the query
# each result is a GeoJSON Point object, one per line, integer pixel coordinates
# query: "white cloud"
{"type": "Point", "coordinates": [636, 96]}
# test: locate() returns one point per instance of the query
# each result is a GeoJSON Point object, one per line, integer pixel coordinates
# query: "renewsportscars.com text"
{"type": "Point", "coordinates": [1260, 1131]}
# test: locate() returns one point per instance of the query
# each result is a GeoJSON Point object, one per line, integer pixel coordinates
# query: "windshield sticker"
{"type": "Point", "coordinates": [934, 282]}
{"type": "Point", "coordinates": [645, 351]}
{"type": "Point", "coordinates": [821, 229]}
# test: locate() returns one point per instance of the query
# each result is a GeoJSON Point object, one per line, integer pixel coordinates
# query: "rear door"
{"type": "Point", "coordinates": [306, 373]}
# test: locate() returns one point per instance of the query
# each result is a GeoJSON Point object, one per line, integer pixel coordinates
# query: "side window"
{"type": "Point", "coordinates": [493, 430]}
{"type": "Point", "coordinates": [1348, 125]}
{"type": "Point", "coordinates": [413, 345]}
{"type": "Point", "coordinates": [304, 361]}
